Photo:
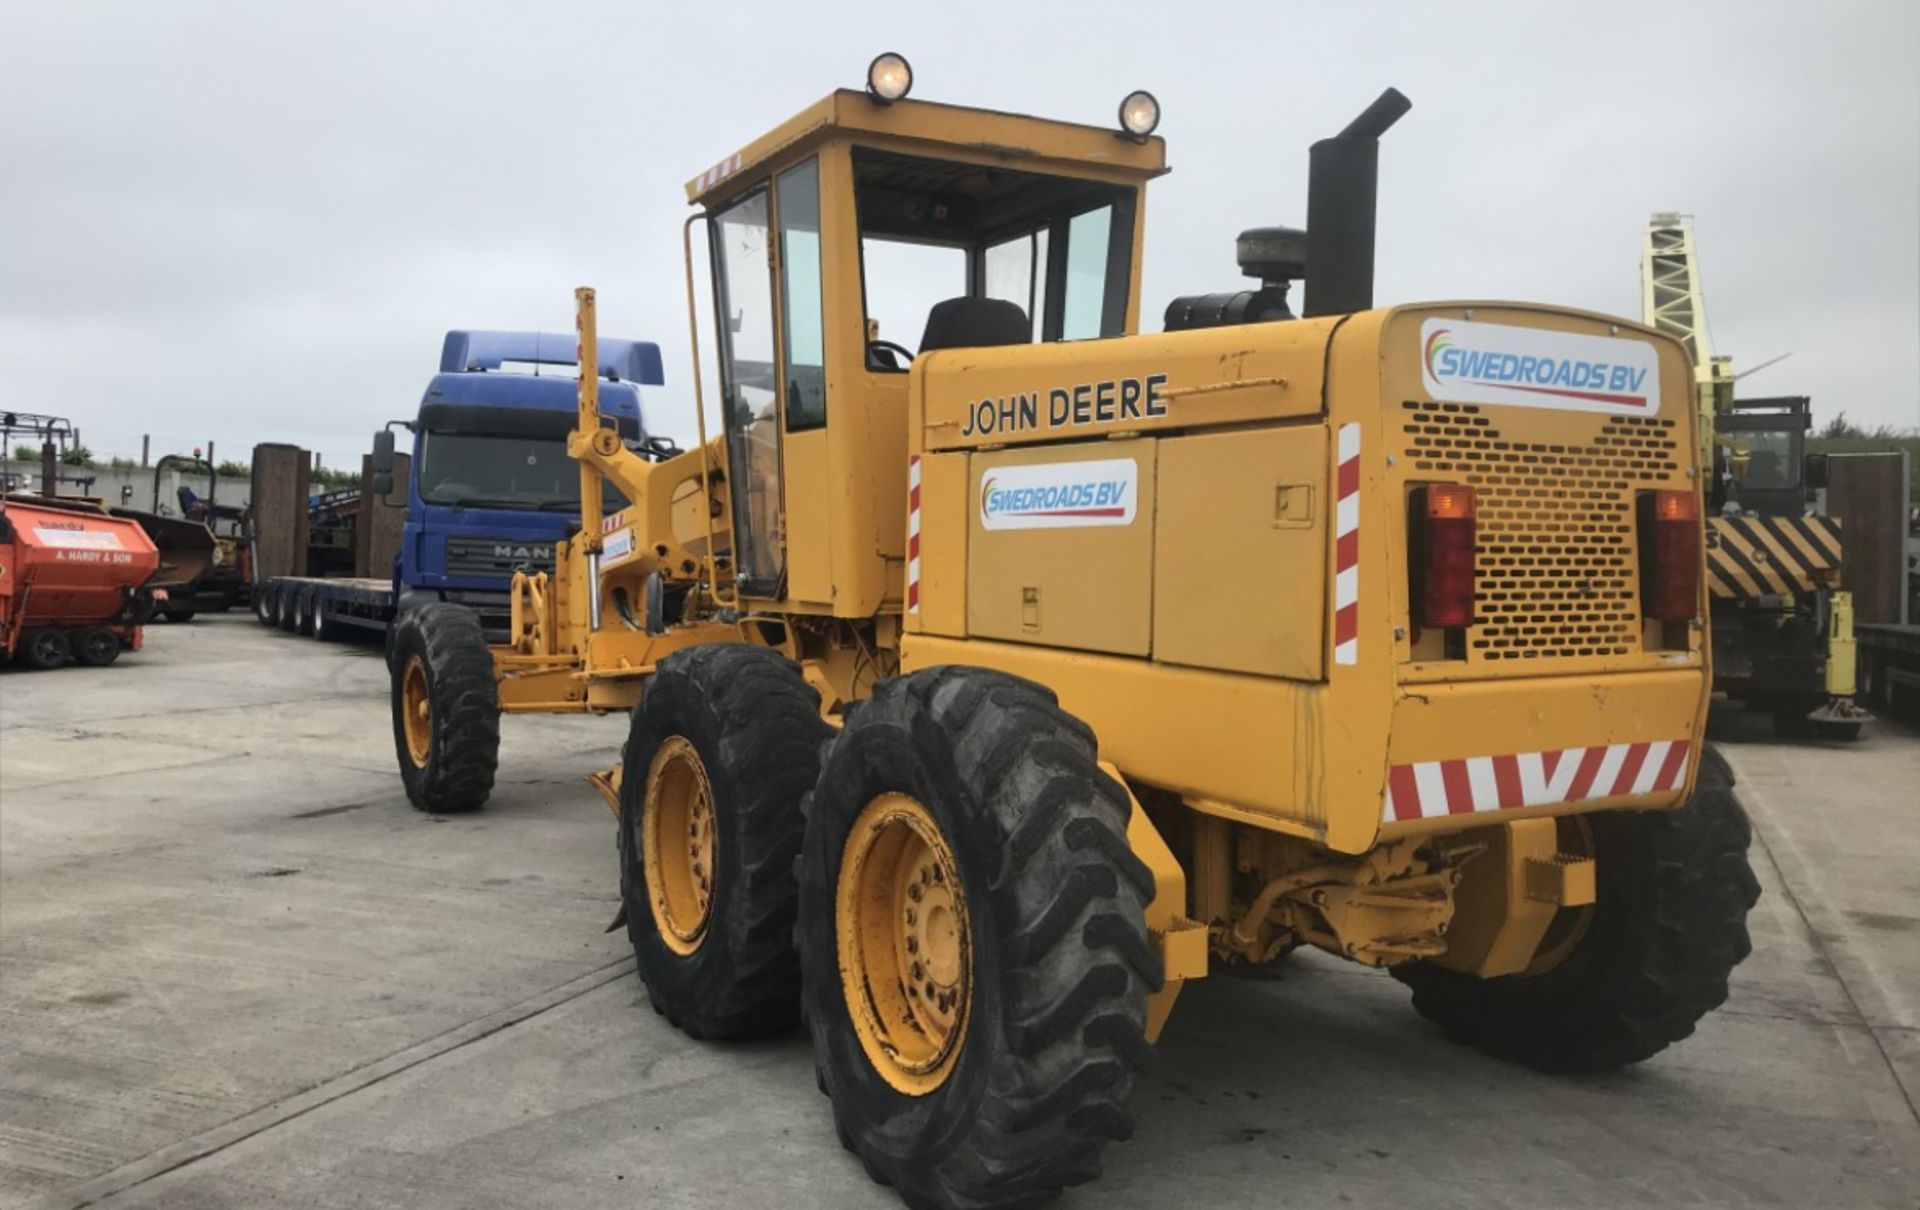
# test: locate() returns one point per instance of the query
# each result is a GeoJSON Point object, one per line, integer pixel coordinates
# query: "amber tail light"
{"type": "Point", "coordinates": [1670, 555]}
{"type": "Point", "coordinates": [1443, 549]}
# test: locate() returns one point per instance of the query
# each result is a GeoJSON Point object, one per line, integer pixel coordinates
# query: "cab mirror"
{"type": "Point", "coordinates": [383, 456]}
{"type": "Point", "coordinates": [1816, 470]}
{"type": "Point", "coordinates": [383, 483]}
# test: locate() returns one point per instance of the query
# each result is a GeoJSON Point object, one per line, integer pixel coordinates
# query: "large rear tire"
{"type": "Point", "coordinates": [973, 937]}
{"type": "Point", "coordinates": [722, 748]}
{"type": "Point", "coordinates": [446, 709]}
{"type": "Point", "coordinates": [1669, 924]}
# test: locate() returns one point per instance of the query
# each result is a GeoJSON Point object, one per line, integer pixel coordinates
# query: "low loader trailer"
{"type": "Point", "coordinates": [984, 692]}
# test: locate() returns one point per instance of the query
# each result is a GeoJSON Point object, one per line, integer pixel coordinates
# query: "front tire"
{"type": "Point", "coordinates": [44, 649]}
{"type": "Point", "coordinates": [1669, 925]}
{"type": "Point", "coordinates": [995, 1075]}
{"type": "Point", "coordinates": [446, 709]}
{"type": "Point", "coordinates": [722, 747]}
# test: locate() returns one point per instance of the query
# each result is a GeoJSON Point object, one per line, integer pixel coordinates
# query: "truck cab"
{"type": "Point", "coordinates": [490, 487]}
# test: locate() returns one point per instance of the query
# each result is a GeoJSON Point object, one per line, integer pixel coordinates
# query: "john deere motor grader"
{"type": "Point", "coordinates": [984, 692]}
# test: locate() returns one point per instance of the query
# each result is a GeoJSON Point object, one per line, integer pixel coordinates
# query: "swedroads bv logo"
{"type": "Point", "coordinates": [1060, 495]}
{"type": "Point", "coordinates": [1467, 362]}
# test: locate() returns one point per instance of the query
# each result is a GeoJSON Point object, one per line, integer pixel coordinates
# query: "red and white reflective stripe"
{"type": "Point", "coordinates": [1346, 549]}
{"type": "Point", "coordinates": [611, 523]}
{"type": "Point", "coordinates": [1434, 788]}
{"type": "Point", "coordinates": [913, 534]}
{"type": "Point", "coordinates": [719, 172]}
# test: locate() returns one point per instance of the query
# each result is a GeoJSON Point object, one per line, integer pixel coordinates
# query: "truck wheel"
{"type": "Point", "coordinates": [96, 648]}
{"type": "Point", "coordinates": [326, 627]}
{"type": "Point", "coordinates": [1668, 927]}
{"type": "Point", "coordinates": [44, 648]}
{"type": "Point", "coordinates": [292, 605]}
{"type": "Point", "coordinates": [446, 709]}
{"type": "Point", "coordinates": [266, 605]}
{"type": "Point", "coordinates": [973, 941]}
{"type": "Point", "coordinates": [722, 748]}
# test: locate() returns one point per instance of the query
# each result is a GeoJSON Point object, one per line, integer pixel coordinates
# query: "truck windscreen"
{"type": "Point", "coordinates": [479, 471]}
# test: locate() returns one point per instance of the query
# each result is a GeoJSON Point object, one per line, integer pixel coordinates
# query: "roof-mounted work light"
{"type": "Point", "coordinates": [1139, 114]}
{"type": "Point", "coordinates": [889, 78]}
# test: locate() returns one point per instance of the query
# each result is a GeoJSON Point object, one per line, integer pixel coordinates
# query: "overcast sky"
{"type": "Point", "coordinates": [254, 221]}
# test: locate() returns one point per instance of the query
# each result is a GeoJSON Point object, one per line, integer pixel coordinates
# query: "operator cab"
{"type": "Point", "coordinates": [1760, 463]}
{"type": "Point", "coordinates": [958, 255]}
{"type": "Point", "coordinates": [864, 235]}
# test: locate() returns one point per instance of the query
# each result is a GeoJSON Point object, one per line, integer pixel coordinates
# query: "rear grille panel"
{"type": "Point", "coordinates": [1556, 565]}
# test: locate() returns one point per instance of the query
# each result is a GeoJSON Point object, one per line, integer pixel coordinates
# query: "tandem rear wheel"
{"type": "Point", "coordinates": [1668, 926]}
{"type": "Point", "coordinates": [720, 751]}
{"type": "Point", "coordinates": [446, 708]}
{"type": "Point", "coordinates": [973, 943]}
{"type": "Point", "coordinates": [44, 649]}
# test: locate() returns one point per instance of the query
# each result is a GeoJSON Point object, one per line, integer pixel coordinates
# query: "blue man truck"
{"type": "Point", "coordinates": [489, 486]}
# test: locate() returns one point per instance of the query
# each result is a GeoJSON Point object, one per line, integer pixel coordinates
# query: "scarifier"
{"type": "Point", "coordinates": [984, 693]}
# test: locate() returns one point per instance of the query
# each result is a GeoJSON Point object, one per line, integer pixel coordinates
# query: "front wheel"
{"type": "Point", "coordinates": [44, 648]}
{"type": "Point", "coordinates": [1668, 926]}
{"type": "Point", "coordinates": [973, 941]}
{"type": "Point", "coordinates": [446, 709]}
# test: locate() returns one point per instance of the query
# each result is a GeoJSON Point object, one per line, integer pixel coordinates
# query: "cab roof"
{"type": "Point", "coordinates": [1067, 146]}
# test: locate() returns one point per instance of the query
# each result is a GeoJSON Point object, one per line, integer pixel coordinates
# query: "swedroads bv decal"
{"type": "Point", "coordinates": [1060, 495]}
{"type": "Point", "coordinates": [1466, 362]}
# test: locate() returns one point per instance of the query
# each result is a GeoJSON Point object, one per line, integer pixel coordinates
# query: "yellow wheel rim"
{"type": "Point", "coordinates": [416, 711]}
{"type": "Point", "coordinates": [677, 841]}
{"type": "Point", "coordinates": [906, 961]}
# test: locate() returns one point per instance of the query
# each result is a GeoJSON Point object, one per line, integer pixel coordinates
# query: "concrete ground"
{"type": "Point", "coordinates": [237, 970]}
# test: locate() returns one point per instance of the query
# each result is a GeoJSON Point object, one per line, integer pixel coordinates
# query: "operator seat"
{"type": "Point", "coordinates": [971, 323]}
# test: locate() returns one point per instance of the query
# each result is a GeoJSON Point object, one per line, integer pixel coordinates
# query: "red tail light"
{"type": "Point", "coordinates": [1444, 538]}
{"type": "Point", "coordinates": [1670, 555]}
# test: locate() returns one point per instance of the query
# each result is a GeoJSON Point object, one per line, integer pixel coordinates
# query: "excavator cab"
{"type": "Point", "coordinates": [862, 236]}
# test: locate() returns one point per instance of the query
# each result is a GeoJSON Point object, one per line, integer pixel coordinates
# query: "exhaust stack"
{"type": "Point", "coordinates": [1343, 177]}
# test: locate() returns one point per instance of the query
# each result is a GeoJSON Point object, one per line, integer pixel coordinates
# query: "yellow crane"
{"type": "Point", "coordinates": [1782, 625]}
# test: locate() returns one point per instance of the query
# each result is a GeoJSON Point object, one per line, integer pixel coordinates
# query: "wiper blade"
{"type": "Point", "coordinates": [473, 501]}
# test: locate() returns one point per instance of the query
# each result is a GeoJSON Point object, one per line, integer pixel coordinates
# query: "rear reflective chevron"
{"type": "Point", "coordinates": [1752, 556]}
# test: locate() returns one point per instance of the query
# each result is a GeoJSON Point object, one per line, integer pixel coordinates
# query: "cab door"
{"type": "Point", "coordinates": [767, 288]}
{"type": "Point", "coordinates": [749, 385]}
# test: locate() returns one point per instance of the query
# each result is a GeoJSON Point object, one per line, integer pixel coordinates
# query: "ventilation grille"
{"type": "Point", "coordinates": [1555, 569]}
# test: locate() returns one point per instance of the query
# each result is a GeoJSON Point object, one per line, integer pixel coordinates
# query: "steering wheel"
{"type": "Point", "coordinates": [898, 354]}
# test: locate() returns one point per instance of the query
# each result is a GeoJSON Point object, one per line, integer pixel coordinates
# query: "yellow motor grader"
{"type": "Point", "coordinates": [986, 690]}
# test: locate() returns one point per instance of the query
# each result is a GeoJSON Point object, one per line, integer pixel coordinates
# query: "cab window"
{"type": "Point", "coordinates": [932, 231]}
{"type": "Point", "coordinates": [743, 297]}
{"type": "Point", "coordinates": [798, 195]}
